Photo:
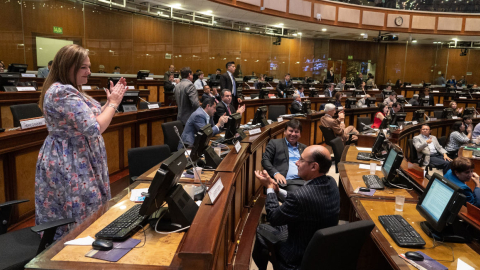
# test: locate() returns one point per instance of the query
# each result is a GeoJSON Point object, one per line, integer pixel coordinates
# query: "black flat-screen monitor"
{"type": "Point", "coordinates": [307, 107]}
{"type": "Point", "coordinates": [261, 116]}
{"type": "Point", "coordinates": [469, 111]}
{"type": "Point", "coordinates": [290, 92]}
{"type": "Point", "coordinates": [418, 116]}
{"type": "Point", "coordinates": [201, 147]}
{"type": "Point", "coordinates": [370, 102]}
{"type": "Point", "coordinates": [439, 205]}
{"type": "Point", "coordinates": [142, 74]}
{"type": "Point", "coordinates": [114, 80]}
{"type": "Point", "coordinates": [447, 113]}
{"type": "Point", "coordinates": [350, 103]}
{"type": "Point", "coordinates": [358, 92]}
{"type": "Point", "coordinates": [401, 100]}
{"type": "Point", "coordinates": [427, 84]}
{"type": "Point", "coordinates": [233, 130]}
{"type": "Point", "coordinates": [386, 93]}
{"type": "Point", "coordinates": [177, 75]}
{"type": "Point", "coordinates": [314, 92]}
{"type": "Point", "coordinates": [423, 102]}
{"type": "Point", "coordinates": [398, 117]}
{"type": "Point", "coordinates": [385, 122]}
{"type": "Point", "coordinates": [310, 80]}
{"type": "Point", "coordinates": [469, 86]}
{"type": "Point", "coordinates": [8, 79]}
{"type": "Point", "coordinates": [263, 93]}
{"type": "Point", "coordinates": [129, 101]}
{"type": "Point", "coordinates": [392, 163]}
{"type": "Point", "coordinates": [260, 85]}
{"type": "Point", "coordinates": [269, 79]}
{"type": "Point", "coordinates": [249, 78]}
{"type": "Point", "coordinates": [377, 145]}
{"type": "Point", "coordinates": [20, 68]}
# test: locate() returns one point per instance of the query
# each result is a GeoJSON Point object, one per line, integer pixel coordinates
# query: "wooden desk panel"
{"type": "Point", "coordinates": [371, 209]}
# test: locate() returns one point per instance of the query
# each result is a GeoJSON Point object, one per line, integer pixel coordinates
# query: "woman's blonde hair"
{"type": "Point", "coordinates": [67, 57]}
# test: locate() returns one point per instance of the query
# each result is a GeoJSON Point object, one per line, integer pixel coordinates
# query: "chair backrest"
{"type": "Point", "coordinates": [337, 247]}
{"type": "Point", "coordinates": [328, 134]}
{"type": "Point", "coordinates": [169, 136]}
{"type": "Point", "coordinates": [141, 159]}
{"type": "Point", "coordinates": [274, 111]}
{"type": "Point", "coordinates": [337, 147]}
{"type": "Point", "coordinates": [144, 105]}
{"type": "Point", "coordinates": [24, 111]}
{"type": "Point", "coordinates": [366, 120]}
{"type": "Point", "coordinates": [442, 141]}
{"type": "Point", "coordinates": [413, 155]}
{"type": "Point", "coordinates": [437, 114]}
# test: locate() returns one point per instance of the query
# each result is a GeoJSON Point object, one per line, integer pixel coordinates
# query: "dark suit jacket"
{"type": "Point", "coordinates": [326, 93]}
{"type": "Point", "coordinates": [275, 159]}
{"type": "Point", "coordinates": [330, 77]}
{"type": "Point", "coordinates": [296, 108]}
{"type": "Point", "coordinates": [168, 86]}
{"type": "Point", "coordinates": [312, 207]}
{"type": "Point", "coordinates": [221, 109]}
{"type": "Point", "coordinates": [226, 82]}
{"type": "Point", "coordinates": [282, 86]}
{"type": "Point", "coordinates": [358, 82]}
{"type": "Point", "coordinates": [205, 96]}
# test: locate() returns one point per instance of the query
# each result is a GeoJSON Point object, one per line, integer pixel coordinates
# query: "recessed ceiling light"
{"type": "Point", "coordinates": [177, 5]}
{"type": "Point", "coordinates": [294, 35]}
{"type": "Point", "coordinates": [414, 41]}
{"type": "Point", "coordinates": [434, 42]}
{"type": "Point", "coordinates": [455, 39]}
{"type": "Point", "coordinates": [362, 34]}
{"type": "Point", "coordinates": [208, 11]}
{"type": "Point", "coordinates": [324, 29]}
{"type": "Point", "coordinates": [247, 28]}
{"type": "Point", "coordinates": [299, 33]}
{"type": "Point", "coordinates": [281, 24]}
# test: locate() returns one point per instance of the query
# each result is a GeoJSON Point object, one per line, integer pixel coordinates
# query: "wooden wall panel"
{"type": "Point", "coordinates": [328, 12]}
{"type": "Point", "coordinates": [223, 46]}
{"type": "Point", "coordinates": [190, 47]}
{"type": "Point", "coordinates": [294, 59]}
{"type": "Point", "coordinates": [395, 62]}
{"type": "Point", "coordinates": [373, 18]}
{"type": "Point", "coordinates": [472, 24]}
{"type": "Point", "coordinates": [157, 133]}
{"type": "Point", "coordinates": [7, 118]}
{"type": "Point", "coordinates": [112, 140]}
{"type": "Point", "coordinates": [11, 34]}
{"type": "Point", "coordinates": [280, 58]}
{"type": "Point", "coordinates": [423, 22]}
{"type": "Point", "coordinates": [27, 174]}
{"type": "Point", "coordinates": [279, 5]}
{"type": "Point", "coordinates": [348, 15]}
{"type": "Point", "coordinates": [256, 50]}
{"type": "Point", "coordinates": [300, 7]}
{"type": "Point", "coordinates": [420, 62]}
{"type": "Point", "coordinates": [449, 24]}
{"type": "Point", "coordinates": [127, 144]}
{"type": "Point", "coordinates": [307, 57]}
{"type": "Point", "coordinates": [474, 67]}
{"type": "Point", "coordinates": [457, 65]}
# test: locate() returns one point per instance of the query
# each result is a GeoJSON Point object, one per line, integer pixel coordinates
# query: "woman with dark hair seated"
{"type": "Point", "coordinates": [456, 139]}
{"type": "Point", "coordinates": [383, 111]}
{"type": "Point", "coordinates": [399, 84]}
{"type": "Point", "coordinates": [461, 171]}
{"type": "Point", "coordinates": [338, 98]}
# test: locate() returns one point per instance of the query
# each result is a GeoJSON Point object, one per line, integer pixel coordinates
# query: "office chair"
{"type": "Point", "coordinates": [141, 159]}
{"type": "Point", "coordinates": [336, 247]}
{"type": "Point", "coordinates": [21, 246]}
{"type": "Point", "coordinates": [442, 141]}
{"type": "Point", "coordinates": [437, 114]}
{"type": "Point", "coordinates": [413, 155]}
{"type": "Point", "coordinates": [169, 136]}
{"type": "Point", "coordinates": [379, 96]}
{"type": "Point", "coordinates": [366, 120]}
{"type": "Point", "coordinates": [328, 135]}
{"type": "Point", "coordinates": [144, 105]}
{"type": "Point", "coordinates": [337, 147]}
{"type": "Point", "coordinates": [24, 111]}
{"type": "Point", "coordinates": [274, 111]}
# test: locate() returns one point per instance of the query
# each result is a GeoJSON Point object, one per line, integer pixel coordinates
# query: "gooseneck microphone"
{"type": "Point", "coordinates": [146, 102]}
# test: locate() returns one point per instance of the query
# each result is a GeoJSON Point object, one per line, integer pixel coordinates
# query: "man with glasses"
{"type": "Point", "coordinates": [432, 152]}
{"type": "Point", "coordinates": [314, 206]}
{"type": "Point", "coordinates": [281, 154]}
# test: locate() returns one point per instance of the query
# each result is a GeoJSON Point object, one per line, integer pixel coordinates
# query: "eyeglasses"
{"type": "Point", "coordinates": [303, 160]}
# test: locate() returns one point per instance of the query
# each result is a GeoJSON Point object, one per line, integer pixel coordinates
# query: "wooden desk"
{"type": "Point", "coordinates": [370, 210]}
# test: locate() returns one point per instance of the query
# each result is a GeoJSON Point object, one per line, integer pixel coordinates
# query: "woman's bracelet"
{"type": "Point", "coordinates": [114, 106]}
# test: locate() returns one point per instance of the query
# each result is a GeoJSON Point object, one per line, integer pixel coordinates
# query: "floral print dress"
{"type": "Point", "coordinates": [71, 178]}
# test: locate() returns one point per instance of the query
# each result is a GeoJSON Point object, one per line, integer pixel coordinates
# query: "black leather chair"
{"type": "Point", "coordinates": [24, 111]}
{"type": "Point", "coordinates": [141, 159]}
{"type": "Point", "coordinates": [21, 246]}
{"type": "Point", "coordinates": [144, 105]}
{"type": "Point", "coordinates": [336, 247]}
{"type": "Point", "coordinates": [328, 135]}
{"type": "Point", "coordinates": [442, 141]}
{"type": "Point", "coordinates": [413, 155]}
{"type": "Point", "coordinates": [437, 114]}
{"type": "Point", "coordinates": [337, 147]}
{"type": "Point", "coordinates": [366, 120]}
{"type": "Point", "coordinates": [169, 136]}
{"type": "Point", "coordinates": [274, 111]}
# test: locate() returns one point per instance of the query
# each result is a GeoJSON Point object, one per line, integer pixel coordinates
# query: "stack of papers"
{"type": "Point", "coordinates": [137, 196]}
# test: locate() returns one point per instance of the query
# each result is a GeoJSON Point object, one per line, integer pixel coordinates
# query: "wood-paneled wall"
{"type": "Point", "coordinates": [135, 42]}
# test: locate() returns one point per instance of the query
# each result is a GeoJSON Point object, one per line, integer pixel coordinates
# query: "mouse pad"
{"type": "Point", "coordinates": [428, 263]}
{"type": "Point", "coordinates": [116, 253]}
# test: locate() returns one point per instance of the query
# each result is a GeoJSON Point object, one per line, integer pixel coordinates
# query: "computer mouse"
{"type": "Point", "coordinates": [282, 185]}
{"type": "Point", "coordinates": [364, 189]}
{"type": "Point", "coordinates": [190, 171]}
{"type": "Point", "coordinates": [102, 244]}
{"type": "Point", "coordinates": [414, 256]}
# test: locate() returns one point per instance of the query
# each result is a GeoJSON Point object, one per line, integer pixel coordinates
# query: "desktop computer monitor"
{"type": "Point", "coordinates": [307, 107]}
{"type": "Point", "coordinates": [260, 85]}
{"type": "Point", "coordinates": [263, 93]}
{"type": "Point", "coordinates": [469, 111]}
{"type": "Point", "coordinates": [370, 102]}
{"type": "Point", "coordinates": [398, 117]}
{"type": "Point", "coordinates": [261, 116]}
{"type": "Point", "coordinates": [313, 92]}
{"type": "Point", "coordinates": [177, 75]}
{"type": "Point", "coordinates": [385, 122]}
{"type": "Point", "coordinates": [233, 130]}
{"type": "Point", "coordinates": [310, 80]}
{"type": "Point", "coordinates": [377, 147]}
{"type": "Point", "coordinates": [427, 84]}
{"type": "Point", "coordinates": [290, 92]}
{"type": "Point", "coordinates": [249, 78]}
{"type": "Point", "coordinates": [447, 113]}
{"type": "Point", "coordinates": [114, 80]}
{"type": "Point", "coordinates": [20, 68]}
{"type": "Point", "coordinates": [401, 100]}
{"type": "Point", "coordinates": [8, 81]}
{"type": "Point", "coordinates": [423, 102]}
{"type": "Point", "coordinates": [386, 93]}
{"type": "Point", "coordinates": [392, 164]}
{"type": "Point", "coordinates": [142, 74]}
{"type": "Point", "coordinates": [201, 147]}
{"type": "Point", "coordinates": [358, 92]}
{"type": "Point", "coordinates": [129, 101]}
{"type": "Point", "coordinates": [439, 205]}
{"type": "Point", "coordinates": [165, 189]}
{"type": "Point", "coordinates": [269, 79]}
{"type": "Point", "coordinates": [418, 116]}
{"type": "Point", "coordinates": [350, 103]}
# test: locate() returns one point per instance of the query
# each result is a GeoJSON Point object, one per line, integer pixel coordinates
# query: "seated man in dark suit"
{"type": "Point", "coordinates": [425, 95]}
{"type": "Point", "coordinates": [296, 104]}
{"type": "Point", "coordinates": [169, 85]}
{"type": "Point", "coordinates": [330, 91]}
{"type": "Point", "coordinates": [284, 85]}
{"type": "Point", "coordinates": [208, 94]}
{"type": "Point", "coordinates": [225, 107]}
{"type": "Point", "coordinates": [199, 118]}
{"type": "Point", "coordinates": [314, 206]}
{"type": "Point", "coordinates": [281, 154]}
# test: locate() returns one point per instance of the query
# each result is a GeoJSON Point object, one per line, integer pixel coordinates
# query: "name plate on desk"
{"type": "Point", "coordinates": [340, 108]}
{"type": "Point", "coordinates": [247, 98]}
{"type": "Point", "coordinates": [462, 97]}
{"type": "Point", "coordinates": [414, 122]}
{"type": "Point", "coordinates": [351, 89]}
{"type": "Point", "coordinates": [252, 88]}
{"type": "Point", "coordinates": [375, 89]}
{"type": "Point", "coordinates": [238, 146]}
{"type": "Point", "coordinates": [269, 87]}
{"type": "Point", "coordinates": [435, 91]}
{"type": "Point", "coordinates": [25, 88]}
{"type": "Point", "coordinates": [148, 78]}
{"type": "Point", "coordinates": [432, 119]}
{"type": "Point", "coordinates": [321, 95]}
{"type": "Point", "coordinates": [86, 87]}
{"type": "Point", "coordinates": [279, 119]}
{"type": "Point", "coordinates": [364, 106]}
{"type": "Point", "coordinates": [454, 117]}
{"type": "Point", "coordinates": [311, 88]}
{"type": "Point", "coordinates": [408, 86]}
{"type": "Point", "coordinates": [254, 131]}
{"type": "Point", "coordinates": [28, 75]}
{"type": "Point", "coordinates": [439, 105]}
{"type": "Point", "coordinates": [408, 105]}
{"type": "Point", "coordinates": [251, 81]}
{"type": "Point", "coordinates": [215, 190]}
{"type": "Point", "coordinates": [153, 106]}
{"type": "Point", "coordinates": [131, 87]}
{"type": "Point", "coordinates": [31, 123]}
{"type": "Point", "coordinates": [273, 97]}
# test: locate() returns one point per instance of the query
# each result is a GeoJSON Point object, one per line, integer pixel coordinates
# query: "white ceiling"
{"type": "Point", "coordinates": [307, 29]}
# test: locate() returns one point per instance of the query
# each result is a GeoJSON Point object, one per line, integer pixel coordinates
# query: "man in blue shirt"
{"type": "Point", "coordinates": [461, 172]}
{"type": "Point", "coordinates": [281, 154]}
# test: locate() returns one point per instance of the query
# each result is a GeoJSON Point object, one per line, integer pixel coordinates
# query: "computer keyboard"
{"type": "Point", "coordinates": [364, 156]}
{"type": "Point", "coordinates": [124, 226]}
{"type": "Point", "coordinates": [476, 153]}
{"type": "Point", "coordinates": [402, 233]}
{"type": "Point", "coordinates": [373, 181]}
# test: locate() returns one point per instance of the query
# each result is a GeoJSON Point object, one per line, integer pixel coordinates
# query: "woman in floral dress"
{"type": "Point", "coordinates": [71, 178]}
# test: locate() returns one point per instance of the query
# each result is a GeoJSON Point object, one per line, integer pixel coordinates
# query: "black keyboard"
{"type": "Point", "coordinates": [402, 233]}
{"type": "Point", "coordinates": [373, 181]}
{"type": "Point", "coordinates": [364, 156]}
{"type": "Point", "coordinates": [124, 226]}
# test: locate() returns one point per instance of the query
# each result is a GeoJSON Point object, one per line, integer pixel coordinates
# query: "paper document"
{"type": "Point", "coordinates": [85, 241]}
{"type": "Point", "coordinates": [364, 149]}
{"type": "Point", "coordinates": [136, 195]}
{"type": "Point", "coordinates": [461, 265]}
{"type": "Point", "coordinates": [367, 167]}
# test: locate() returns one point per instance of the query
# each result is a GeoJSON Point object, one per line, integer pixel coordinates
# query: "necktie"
{"type": "Point", "coordinates": [228, 108]}
{"type": "Point", "coordinates": [201, 82]}
{"type": "Point", "coordinates": [234, 87]}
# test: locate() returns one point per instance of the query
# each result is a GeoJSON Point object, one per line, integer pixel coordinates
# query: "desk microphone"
{"type": "Point", "coordinates": [365, 127]}
{"type": "Point", "coordinates": [204, 188]}
{"type": "Point", "coordinates": [428, 118]}
{"type": "Point", "coordinates": [144, 100]}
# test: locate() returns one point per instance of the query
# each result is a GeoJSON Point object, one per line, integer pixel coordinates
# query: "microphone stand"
{"type": "Point", "coordinates": [428, 118]}
{"type": "Point", "coordinates": [190, 160]}
{"type": "Point", "coordinates": [144, 100]}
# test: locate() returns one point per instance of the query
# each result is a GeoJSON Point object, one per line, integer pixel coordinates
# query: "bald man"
{"type": "Point", "coordinates": [313, 206]}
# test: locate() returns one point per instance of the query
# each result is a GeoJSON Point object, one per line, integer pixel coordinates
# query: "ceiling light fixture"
{"type": "Point", "coordinates": [414, 41]}
{"type": "Point", "coordinates": [294, 35]}
{"type": "Point", "coordinates": [281, 24]}
{"type": "Point", "coordinates": [177, 5]}
{"type": "Point", "coordinates": [299, 33]}
{"type": "Point", "coordinates": [362, 34]}
{"type": "Point", "coordinates": [247, 28]}
{"type": "Point", "coordinates": [324, 29]}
